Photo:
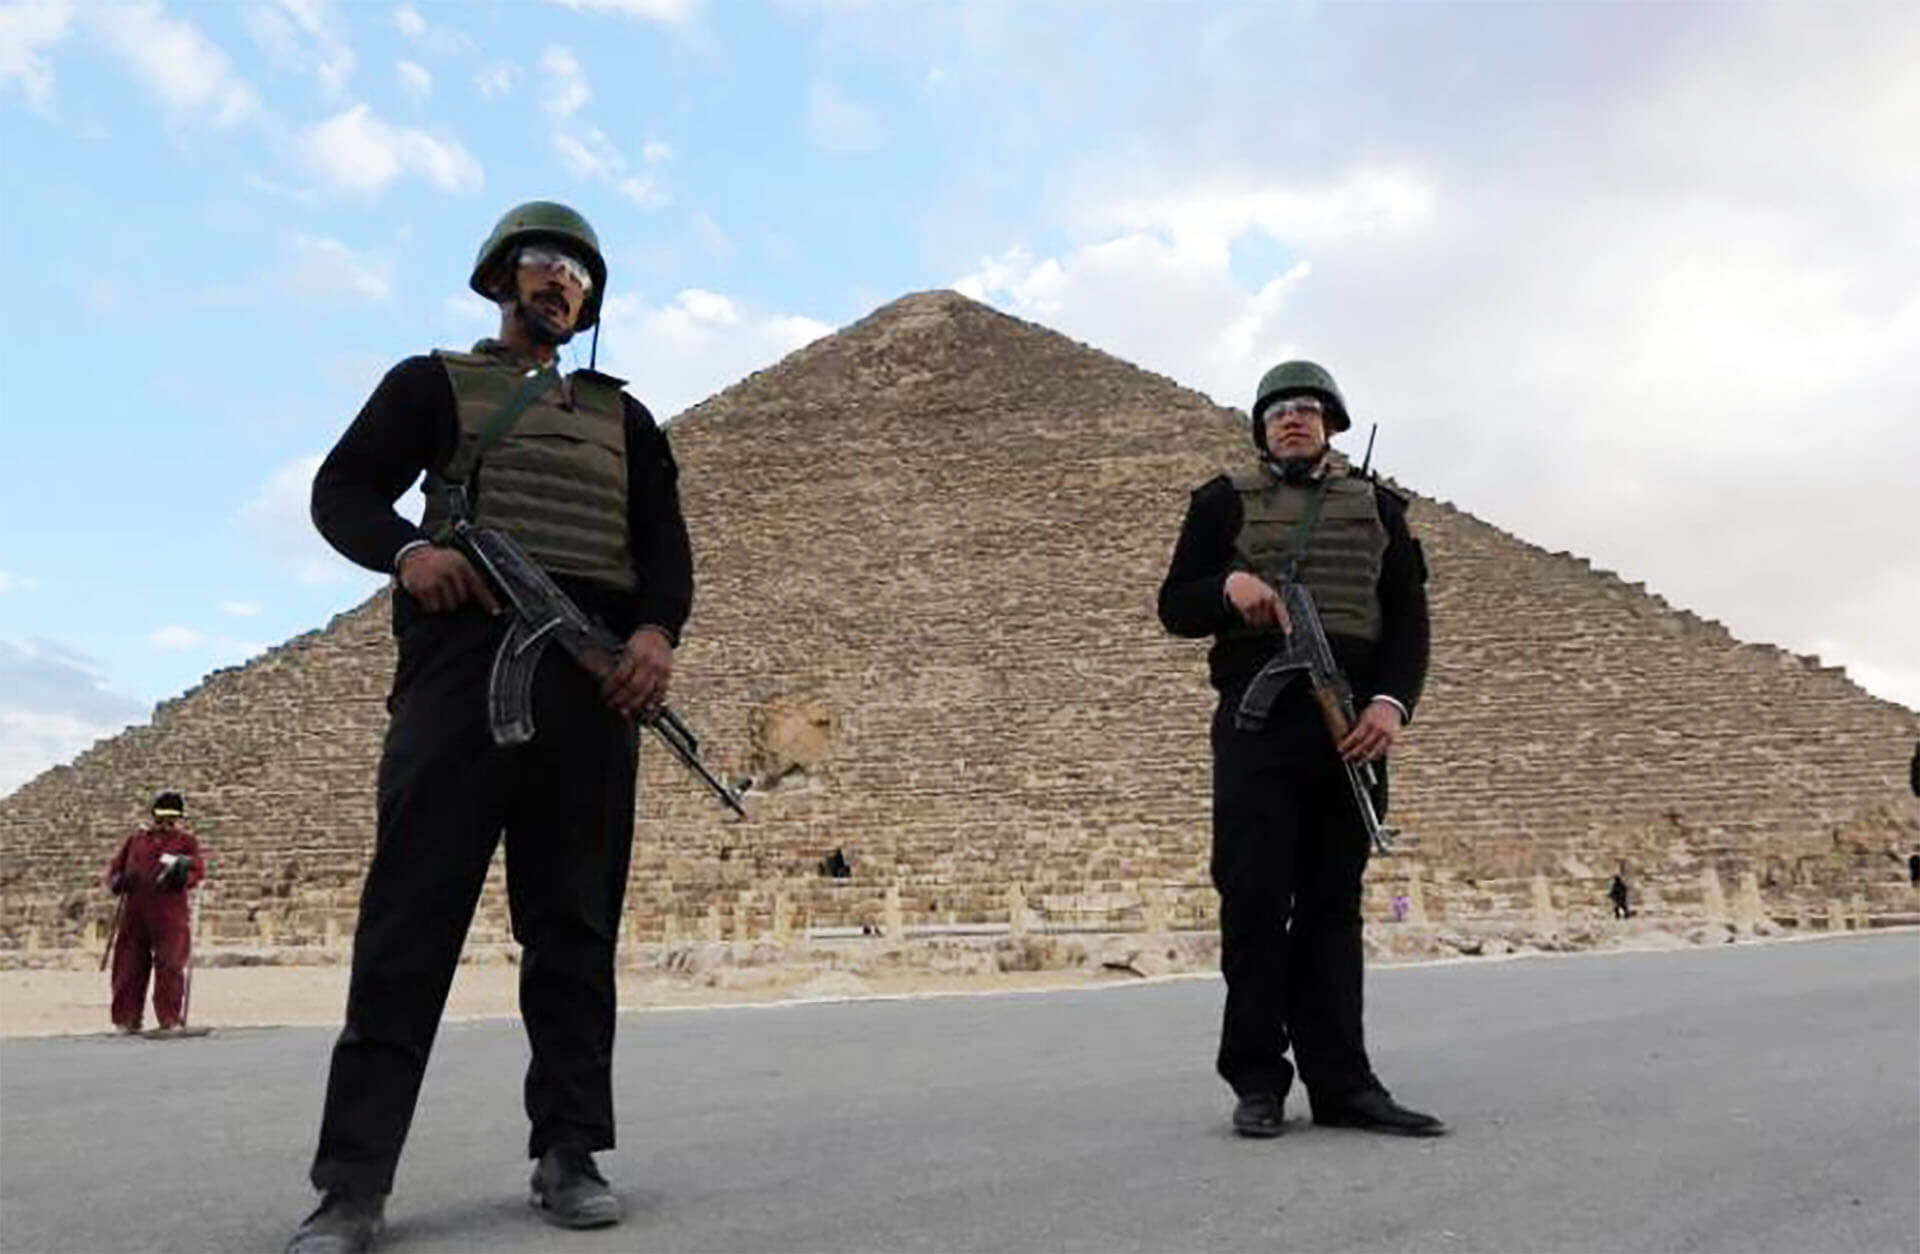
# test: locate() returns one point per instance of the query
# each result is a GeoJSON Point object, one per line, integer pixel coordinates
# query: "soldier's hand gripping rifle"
{"type": "Point", "coordinates": [1306, 653]}
{"type": "Point", "coordinates": [544, 615]}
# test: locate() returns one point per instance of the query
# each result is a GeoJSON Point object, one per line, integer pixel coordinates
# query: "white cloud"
{"type": "Point", "coordinates": [189, 72]}
{"type": "Point", "coordinates": [10, 582]}
{"type": "Point", "coordinates": [656, 151]}
{"type": "Point", "coordinates": [407, 20]}
{"type": "Point", "coordinates": [589, 153]}
{"type": "Point", "coordinates": [358, 151]}
{"type": "Point", "coordinates": [54, 702]}
{"type": "Point", "coordinates": [316, 270]}
{"type": "Point", "coordinates": [567, 88]}
{"type": "Point", "coordinates": [670, 12]}
{"type": "Point", "coordinates": [835, 122]}
{"type": "Point", "coordinates": [414, 79]}
{"type": "Point", "coordinates": [1150, 300]}
{"type": "Point", "coordinates": [277, 520]}
{"type": "Point", "coordinates": [303, 36]}
{"type": "Point", "coordinates": [643, 192]}
{"type": "Point", "coordinates": [497, 79]}
{"type": "Point", "coordinates": [696, 344]}
{"type": "Point", "coordinates": [467, 310]}
{"type": "Point", "coordinates": [325, 267]}
{"type": "Point", "coordinates": [240, 609]}
{"type": "Point", "coordinates": [436, 38]}
{"type": "Point", "coordinates": [717, 243]}
{"type": "Point", "coordinates": [586, 155]}
{"type": "Point", "coordinates": [175, 637]}
{"type": "Point", "coordinates": [1676, 286]}
{"type": "Point", "coordinates": [281, 191]}
{"type": "Point", "coordinates": [1203, 222]}
{"type": "Point", "coordinates": [585, 151]}
{"type": "Point", "coordinates": [27, 32]}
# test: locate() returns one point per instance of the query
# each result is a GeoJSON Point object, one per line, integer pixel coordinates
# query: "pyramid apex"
{"type": "Point", "coordinates": [924, 311]}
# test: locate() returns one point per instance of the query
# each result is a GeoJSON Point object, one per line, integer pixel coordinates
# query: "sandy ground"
{"type": "Point", "coordinates": [63, 1003]}
{"type": "Point", "coordinates": [234, 990]}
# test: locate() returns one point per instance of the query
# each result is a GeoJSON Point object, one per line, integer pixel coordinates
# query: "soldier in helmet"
{"type": "Point", "coordinates": [152, 874]}
{"type": "Point", "coordinates": [1289, 846]}
{"type": "Point", "coordinates": [575, 470]}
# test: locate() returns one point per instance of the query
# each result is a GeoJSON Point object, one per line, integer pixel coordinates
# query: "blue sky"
{"type": "Point", "coordinates": [1637, 280]}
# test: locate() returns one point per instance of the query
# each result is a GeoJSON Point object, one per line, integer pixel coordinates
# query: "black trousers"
{"type": "Point", "coordinates": [565, 802]}
{"type": "Point", "coordinates": [1288, 853]}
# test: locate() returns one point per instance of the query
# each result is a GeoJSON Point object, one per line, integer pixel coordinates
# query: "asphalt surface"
{"type": "Point", "coordinates": [1744, 1098]}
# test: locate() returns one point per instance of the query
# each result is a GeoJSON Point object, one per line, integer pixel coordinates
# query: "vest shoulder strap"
{"type": "Point", "coordinates": [596, 391]}
{"type": "Point", "coordinates": [1250, 479]}
{"type": "Point", "coordinates": [1393, 490]}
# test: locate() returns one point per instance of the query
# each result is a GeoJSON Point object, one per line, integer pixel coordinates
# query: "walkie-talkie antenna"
{"type": "Point", "coordinates": [593, 357]}
{"type": "Point", "coordinates": [1368, 459]}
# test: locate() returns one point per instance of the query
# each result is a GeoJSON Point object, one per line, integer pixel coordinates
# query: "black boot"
{"type": "Point", "coordinates": [345, 1223]}
{"type": "Point", "coordinates": [1374, 1110]}
{"type": "Point", "coordinates": [569, 1191]}
{"type": "Point", "coordinates": [1259, 1114]}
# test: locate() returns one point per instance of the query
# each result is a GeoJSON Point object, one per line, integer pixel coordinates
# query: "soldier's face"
{"type": "Point", "coordinates": [1296, 428]}
{"type": "Point", "coordinates": [554, 284]}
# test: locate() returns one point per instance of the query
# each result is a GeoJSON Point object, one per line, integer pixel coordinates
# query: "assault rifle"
{"type": "Point", "coordinates": [544, 615]}
{"type": "Point", "coordinates": [1306, 653]}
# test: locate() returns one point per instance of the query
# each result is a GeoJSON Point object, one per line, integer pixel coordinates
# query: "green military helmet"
{"type": "Point", "coordinates": [541, 220]}
{"type": "Point", "coordinates": [1291, 378]}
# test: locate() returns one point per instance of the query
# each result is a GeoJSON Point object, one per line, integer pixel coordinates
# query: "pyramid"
{"type": "Point", "coordinates": [927, 553]}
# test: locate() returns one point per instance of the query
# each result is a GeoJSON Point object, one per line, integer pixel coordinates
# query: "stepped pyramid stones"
{"type": "Point", "coordinates": [927, 553]}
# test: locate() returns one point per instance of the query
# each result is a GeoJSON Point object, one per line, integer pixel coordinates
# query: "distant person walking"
{"type": "Point", "coordinates": [152, 874]}
{"type": "Point", "coordinates": [1289, 843]}
{"type": "Point", "coordinates": [1617, 892]}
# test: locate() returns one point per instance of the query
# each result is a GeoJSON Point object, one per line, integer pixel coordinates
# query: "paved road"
{"type": "Point", "coordinates": [1739, 1099]}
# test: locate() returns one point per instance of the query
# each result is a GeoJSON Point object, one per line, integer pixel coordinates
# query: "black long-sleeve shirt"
{"type": "Point", "coordinates": [410, 425]}
{"type": "Point", "coordinates": [1193, 602]}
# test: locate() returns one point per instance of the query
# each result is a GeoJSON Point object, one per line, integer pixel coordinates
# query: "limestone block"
{"type": "Point", "coordinates": [1543, 912]}
{"type": "Point", "coordinates": [1156, 910]}
{"type": "Point", "coordinates": [1713, 902]}
{"type": "Point", "coordinates": [1748, 909]}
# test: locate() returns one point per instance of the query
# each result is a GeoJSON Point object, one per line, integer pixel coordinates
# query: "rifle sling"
{"type": "Point", "coordinates": [452, 482]}
{"type": "Point", "coordinates": [1303, 530]}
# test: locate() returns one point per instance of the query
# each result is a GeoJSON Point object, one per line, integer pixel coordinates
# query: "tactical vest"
{"type": "Point", "coordinates": [1341, 565]}
{"type": "Point", "coordinates": [557, 480]}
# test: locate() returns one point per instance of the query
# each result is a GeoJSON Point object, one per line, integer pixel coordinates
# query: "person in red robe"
{"type": "Point", "coordinates": [154, 871]}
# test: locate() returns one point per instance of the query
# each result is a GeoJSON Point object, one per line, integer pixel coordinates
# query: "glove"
{"type": "Point", "coordinates": [119, 883]}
